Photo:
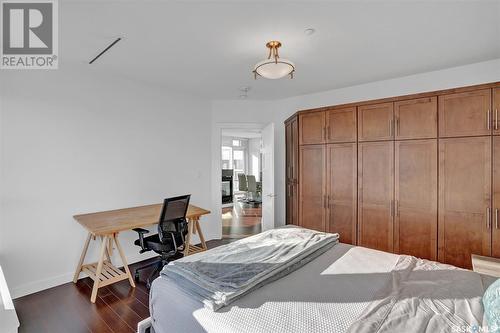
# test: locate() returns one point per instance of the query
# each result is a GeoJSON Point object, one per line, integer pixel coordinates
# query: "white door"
{"type": "Point", "coordinates": [268, 195]}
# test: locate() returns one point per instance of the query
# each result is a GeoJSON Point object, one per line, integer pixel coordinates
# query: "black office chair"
{"type": "Point", "coordinates": [169, 241]}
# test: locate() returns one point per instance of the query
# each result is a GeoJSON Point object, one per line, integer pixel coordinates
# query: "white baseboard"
{"type": "Point", "coordinates": [36, 286]}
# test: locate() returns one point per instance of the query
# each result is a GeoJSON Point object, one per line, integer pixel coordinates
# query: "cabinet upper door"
{"type": "Point", "coordinates": [465, 114]}
{"type": "Point", "coordinates": [496, 111]}
{"type": "Point", "coordinates": [416, 118]}
{"type": "Point", "coordinates": [342, 190]}
{"type": "Point", "coordinates": [495, 249]}
{"type": "Point", "coordinates": [312, 128]}
{"type": "Point", "coordinates": [375, 195]}
{"type": "Point", "coordinates": [312, 187]}
{"type": "Point", "coordinates": [415, 222]}
{"type": "Point", "coordinates": [464, 199]}
{"type": "Point", "coordinates": [341, 125]}
{"type": "Point", "coordinates": [376, 122]}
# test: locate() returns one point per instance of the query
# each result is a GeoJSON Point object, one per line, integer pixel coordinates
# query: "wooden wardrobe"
{"type": "Point", "coordinates": [417, 174]}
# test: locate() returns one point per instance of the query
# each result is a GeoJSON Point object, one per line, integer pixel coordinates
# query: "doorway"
{"type": "Point", "coordinates": [246, 179]}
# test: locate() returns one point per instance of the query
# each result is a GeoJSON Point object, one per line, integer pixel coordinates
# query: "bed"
{"type": "Point", "coordinates": [346, 289]}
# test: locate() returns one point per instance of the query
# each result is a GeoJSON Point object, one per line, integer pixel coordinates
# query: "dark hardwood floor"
{"type": "Point", "coordinates": [67, 308]}
{"type": "Point", "coordinates": [241, 220]}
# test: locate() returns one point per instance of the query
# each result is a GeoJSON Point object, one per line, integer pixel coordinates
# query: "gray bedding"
{"type": "Point", "coordinates": [224, 274]}
{"type": "Point", "coordinates": [425, 296]}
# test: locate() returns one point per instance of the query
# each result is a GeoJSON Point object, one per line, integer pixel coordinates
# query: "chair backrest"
{"type": "Point", "coordinates": [173, 218]}
{"type": "Point", "coordinates": [242, 182]}
{"type": "Point", "coordinates": [252, 184]}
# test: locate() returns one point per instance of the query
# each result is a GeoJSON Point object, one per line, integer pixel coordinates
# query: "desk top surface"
{"type": "Point", "coordinates": [113, 221]}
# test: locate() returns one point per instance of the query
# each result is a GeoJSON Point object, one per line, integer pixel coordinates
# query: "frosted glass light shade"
{"type": "Point", "coordinates": [270, 69]}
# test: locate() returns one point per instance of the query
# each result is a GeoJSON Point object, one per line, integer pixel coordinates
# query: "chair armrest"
{"type": "Point", "coordinates": [141, 233]}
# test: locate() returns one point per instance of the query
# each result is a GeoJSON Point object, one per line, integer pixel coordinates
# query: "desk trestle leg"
{"type": "Point", "coordinates": [124, 260]}
{"type": "Point", "coordinates": [103, 272]}
{"type": "Point", "coordinates": [194, 225]}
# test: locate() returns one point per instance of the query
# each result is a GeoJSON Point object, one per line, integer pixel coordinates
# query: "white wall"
{"type": "Point", "coordinates": [74, 142]}
{"type": "Point", "coordinates": [277, 111]}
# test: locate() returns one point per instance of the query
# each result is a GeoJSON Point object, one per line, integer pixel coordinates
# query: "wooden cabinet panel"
{"type": "Point", "coordinates": [341, 125]}
{"type": "Point", "coordinates": [416, 118]}
{"type": "Point", "coordinates": [496, 111]}
{"type": "Point", "coordinates": [415, 221]}
{"type": "Point", "coordinates": [464, 199]}
{"type": "Point", "coordinates": [312, 187]}
{"type": "Point", "coordinates": [465, 114]}
{"type": "Point", "coordinates": [376, 122]}
{"type": "Point", "coordinates": [375, 195]}
{"type": "Point", "coordinates": [292, 160]}
{"type": "Point", "coordinates": [342, 190]}
{"type": "Point", "coordinates": [312, 128]}
{"type": "Point", "coordinates": [495, 249]}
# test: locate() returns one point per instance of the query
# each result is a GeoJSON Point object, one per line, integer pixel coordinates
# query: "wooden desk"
{"type": "Point", "coordinates": [106, 225]}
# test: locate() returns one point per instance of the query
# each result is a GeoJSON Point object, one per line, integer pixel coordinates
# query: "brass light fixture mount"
{"type": "Point", "coordinates": [273, 46]}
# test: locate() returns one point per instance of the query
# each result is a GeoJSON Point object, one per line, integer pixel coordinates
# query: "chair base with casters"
{"type": "Point", "coordinates": [152, 243]}
{"type": "Point", "coordinates": [159, 263]}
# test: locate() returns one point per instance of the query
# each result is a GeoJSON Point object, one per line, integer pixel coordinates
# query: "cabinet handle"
{"type": "Point", "coordinates": [329, 133]}
{"type": "Point", "coordinates": [496, 218]}
{"type": "Point", "coordinates": [496, 118]}
{"type": "Point", "coordinates": [488, 119]}
{"type": "Point", "coordinates": [390, 127]}
{"type": "Point", "coordinates": [488, 218]}
{"type": "Point", "coordinates": [397, 126]}
{"type": "Point", "coordinates": [392, 208]}
{"type": "Point", "coordinates": [397, 208]}
{"type": "Point", "coordinates": [324, 133]}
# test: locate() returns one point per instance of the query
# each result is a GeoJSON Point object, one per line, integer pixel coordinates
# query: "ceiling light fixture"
{"type": "Point", "coordinates": [274, 67]}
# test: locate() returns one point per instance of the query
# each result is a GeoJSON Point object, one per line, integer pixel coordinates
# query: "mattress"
{"type": "Point", "coordinates": [326, 295]}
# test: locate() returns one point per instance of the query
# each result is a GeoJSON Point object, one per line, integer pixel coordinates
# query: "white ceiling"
{"type": "Point", "coordinates": [209, 48]}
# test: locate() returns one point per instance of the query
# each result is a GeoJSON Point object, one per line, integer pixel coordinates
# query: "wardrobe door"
{"type": "Point", "coordinates": [416, 118]}
{"type": "Point", "coordinates": [464, 199]}
{"type": "Point", "coordinates": [376, 122]}
{"type": "Point", "coordinates": [465, 114]}
{"type": "Point", "coordinates": [312, 128]}
{"type": "Point", "coordinates": [341, 125]}
{"type": "Point", "coordinates": [415, 222]}
{"type": "Point", "coordinates": [312, 188]}
{"type": "Point", "coordinates": [496, 111]}
{"type": "Point", "coordinates": [375, 195]}
{"type": "Point", "coordinates": [495, 249]}
{"type": "Point", "coordinates": [342, 190]}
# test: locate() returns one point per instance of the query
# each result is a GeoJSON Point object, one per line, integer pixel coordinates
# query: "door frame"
{"type": "Point", "coordinates": [216, 165]}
